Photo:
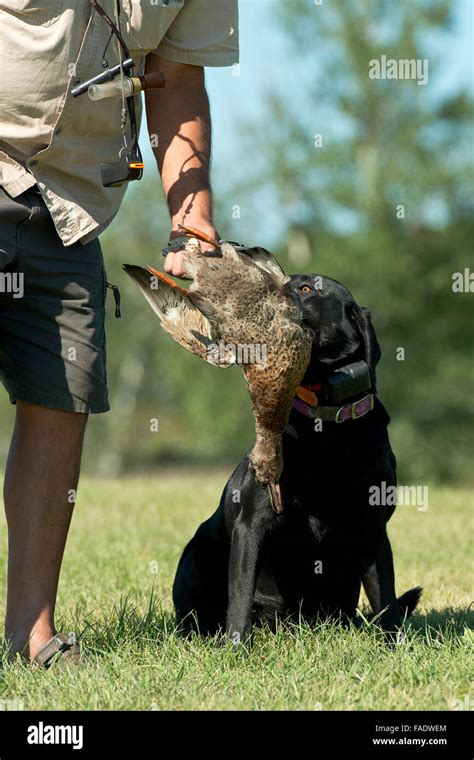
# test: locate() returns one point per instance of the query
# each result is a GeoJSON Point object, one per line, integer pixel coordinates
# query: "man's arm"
{"type": "Point", "coordinates": [179, 116]}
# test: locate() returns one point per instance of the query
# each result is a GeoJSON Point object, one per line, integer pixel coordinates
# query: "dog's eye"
{"type": "Point", "coordinates": [306, 289]}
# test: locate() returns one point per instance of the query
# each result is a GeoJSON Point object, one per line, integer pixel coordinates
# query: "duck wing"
{"type": "Point", "coordinates": [185, 315]}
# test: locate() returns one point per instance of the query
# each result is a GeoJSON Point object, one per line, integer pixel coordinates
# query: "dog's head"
{"type": "Point", "coordinates": [342, 329]}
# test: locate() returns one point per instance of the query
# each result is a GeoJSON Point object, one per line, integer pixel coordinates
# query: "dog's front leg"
{"type": "Point", "coordinates": [379, 585]}
{"type": "Point", "coordinates": [247, 537]}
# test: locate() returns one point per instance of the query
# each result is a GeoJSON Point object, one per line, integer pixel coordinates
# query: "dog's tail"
{"type": "Point", "coordinates": [408, 601]}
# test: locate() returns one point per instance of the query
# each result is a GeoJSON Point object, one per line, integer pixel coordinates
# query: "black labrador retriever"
{"type": "Point", "coordinates": [246, 564]}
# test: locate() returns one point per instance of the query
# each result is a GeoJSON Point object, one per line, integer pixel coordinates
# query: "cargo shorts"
{"type": "Point", "coordinates": [52, 311]}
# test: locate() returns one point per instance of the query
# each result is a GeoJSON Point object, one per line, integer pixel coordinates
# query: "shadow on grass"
{"type": "Point", "coordinates": [452, 621]}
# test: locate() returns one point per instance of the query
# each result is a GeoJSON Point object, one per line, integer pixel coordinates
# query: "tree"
{"type": "Point", "coordinates": [373, 180]}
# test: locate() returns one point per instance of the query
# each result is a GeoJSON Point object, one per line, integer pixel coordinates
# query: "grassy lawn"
{"type": "Point", "coordinates": [115, 593]}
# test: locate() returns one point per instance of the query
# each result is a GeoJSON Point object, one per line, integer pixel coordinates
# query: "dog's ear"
{"type": "Point", "coordinates": [362, 318]}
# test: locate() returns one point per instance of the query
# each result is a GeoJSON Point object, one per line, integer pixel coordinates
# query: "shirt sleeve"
{"type": "Point", "coordinates": [204, 33]}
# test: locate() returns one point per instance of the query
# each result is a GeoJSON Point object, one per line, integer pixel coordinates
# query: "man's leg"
{"type": "Point", "coordinates": [42, 471]}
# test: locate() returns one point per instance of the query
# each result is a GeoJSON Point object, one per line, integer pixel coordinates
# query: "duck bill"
{"type": "Point", "coordinates": [276, 497]}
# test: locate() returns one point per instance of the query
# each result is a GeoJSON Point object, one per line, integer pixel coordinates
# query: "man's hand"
{"type": "Point", "coordinates": [174, 260]}
{"type": "Point", "coordinates": [179, 121]}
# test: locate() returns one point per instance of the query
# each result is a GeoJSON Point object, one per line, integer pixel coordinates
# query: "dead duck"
{"type": "Point", "coordinates": [238, 311]}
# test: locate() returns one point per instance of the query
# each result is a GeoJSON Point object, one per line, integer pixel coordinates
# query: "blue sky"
{"type": "Point", "coordinates": [264, 68]}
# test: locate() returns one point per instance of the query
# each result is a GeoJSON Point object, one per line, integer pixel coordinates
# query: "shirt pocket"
{"type": "Point", "coordinates": [37, 12]}
{"type": "Point", "coordinates": [146, 23]}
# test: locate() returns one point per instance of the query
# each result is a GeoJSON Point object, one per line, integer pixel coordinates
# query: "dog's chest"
{"type": "Point", "coordinates": [302, 557]}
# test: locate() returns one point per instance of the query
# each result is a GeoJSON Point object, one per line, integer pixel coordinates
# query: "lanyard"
{"type": "Point", "coordinates": [115, 30]}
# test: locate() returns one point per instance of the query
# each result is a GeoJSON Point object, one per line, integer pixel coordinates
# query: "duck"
{"type": "Point", "coordinates": [238, 310]}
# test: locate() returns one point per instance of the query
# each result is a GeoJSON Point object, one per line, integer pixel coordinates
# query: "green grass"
{"type": "Point", "coordinates": [122, 611]}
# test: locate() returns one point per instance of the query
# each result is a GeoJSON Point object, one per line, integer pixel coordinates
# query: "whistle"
{"type": "Point", "coordinates": [105, 76]}
{"type": "Point", "coordinates": [131, 86]}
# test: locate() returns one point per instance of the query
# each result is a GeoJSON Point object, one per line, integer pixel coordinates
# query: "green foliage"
{"type": "Point", "coordinates": [385, 145]}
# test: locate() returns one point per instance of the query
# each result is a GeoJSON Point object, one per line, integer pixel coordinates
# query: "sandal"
{"type": "Point", "coordinates": [61, 647]}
